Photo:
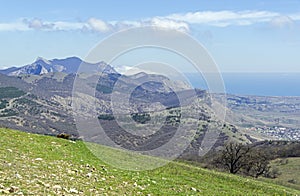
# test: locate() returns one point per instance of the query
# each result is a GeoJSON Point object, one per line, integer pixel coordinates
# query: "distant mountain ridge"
{"type": "Point", "coordinates": [38, 98]}
{"type": "Point", "coordinates": [68, 65]}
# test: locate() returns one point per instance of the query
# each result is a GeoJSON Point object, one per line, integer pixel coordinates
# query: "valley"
{"type": "Point", "coordinates": [44, 104]}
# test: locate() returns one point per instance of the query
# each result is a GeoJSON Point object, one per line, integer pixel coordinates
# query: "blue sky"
{"type": "Point", "coordinates": [242, 36]}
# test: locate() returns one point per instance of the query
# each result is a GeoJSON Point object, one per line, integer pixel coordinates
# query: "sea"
{"type": "Point", "coordinates": [261, 84]}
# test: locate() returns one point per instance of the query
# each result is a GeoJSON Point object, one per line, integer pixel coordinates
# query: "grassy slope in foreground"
{"type": "Point", "coordinates": [36, 164]}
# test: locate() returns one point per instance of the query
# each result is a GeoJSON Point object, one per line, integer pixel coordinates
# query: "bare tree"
{"type": "Point", "coordinates": [257, 163]}
{"type": "Point", "coordinates": [233, 157]}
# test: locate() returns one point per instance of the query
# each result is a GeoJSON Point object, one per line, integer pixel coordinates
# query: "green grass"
{"type": "Point", "coordinates": [43, 165]}
{"type": "Point", "coordinates": [289, 169]}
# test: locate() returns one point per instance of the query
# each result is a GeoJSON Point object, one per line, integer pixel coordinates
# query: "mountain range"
{"type": "Point", "coordinates": [38, 98]}
{"type": "Point", "coordinates": [43, 66]}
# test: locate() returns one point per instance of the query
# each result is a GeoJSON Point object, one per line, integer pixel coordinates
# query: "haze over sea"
{"type": "Point", "coordinates": [262, 84]}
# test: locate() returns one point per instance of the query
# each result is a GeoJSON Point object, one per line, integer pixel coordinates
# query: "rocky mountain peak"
{"type": "Point", "coordinates": [41, 60]}
{"type": "Point", "coordinates": [67, 65]}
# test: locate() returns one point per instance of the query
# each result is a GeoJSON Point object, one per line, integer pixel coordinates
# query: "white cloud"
{"type": "Point", "coordinates": [177, 21]}
{"type": "Point", "coordinates": [295, 16]}
{"type": "Point", "coordinates": [16, 26]}
{"type": "Point", "coordinates": [66, 26]}
{"type": "Point", "coordinates": [131, 70]}
{"type": "Point", "coordinates": [39, 24]}
{"type": "Point", "coordinates": [36, 24]}
{"type": "Point", "coordinates": [93, 24]}
{"type": "Point", "coordinates": [170, 24]}
{"type": "Point", "coordinates": [158, 22]}
{"type": "Point", "coordinates": [118, 25]}
{"type": "Point", "coordinates": [282, 21]}
{"type": "Point", "coordinates": [98, 25]}
{"type": "Point", "coordinates": [224, 18]}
